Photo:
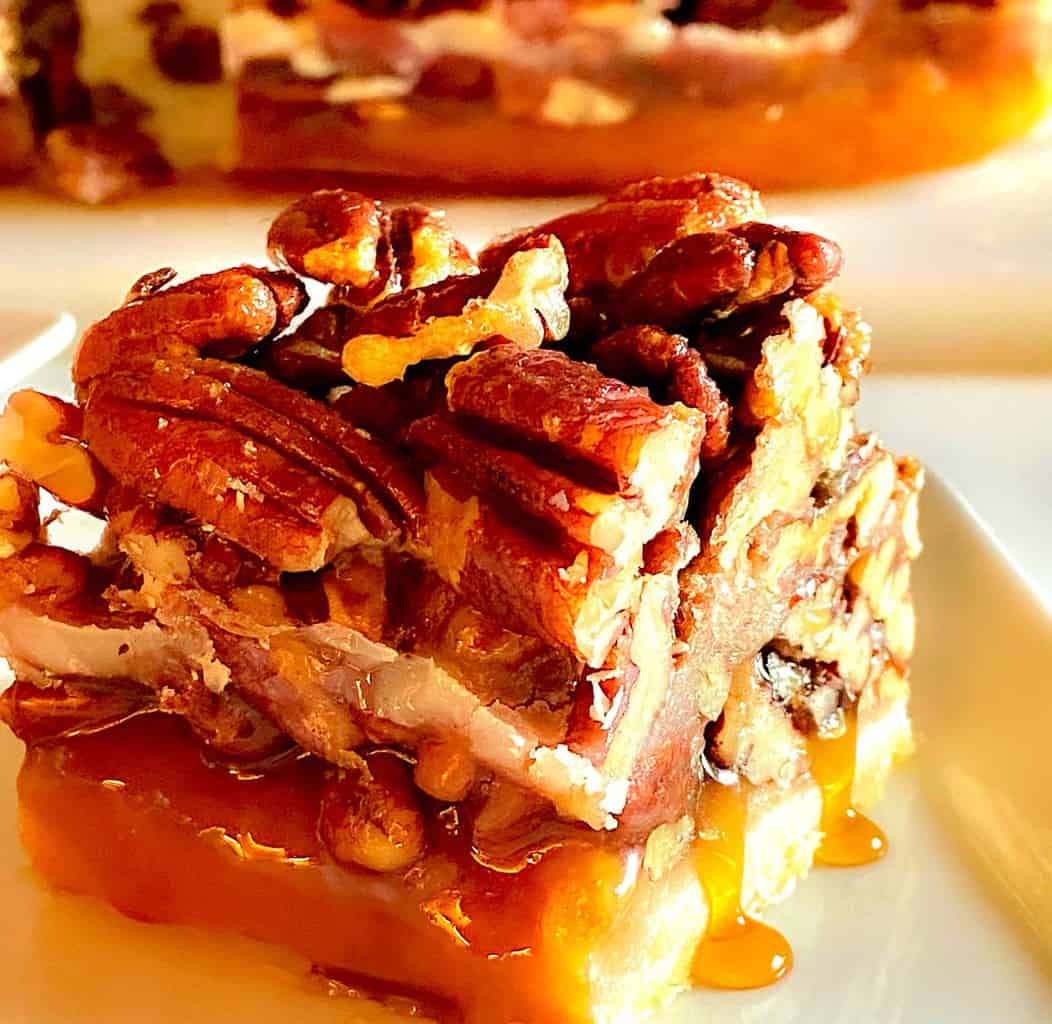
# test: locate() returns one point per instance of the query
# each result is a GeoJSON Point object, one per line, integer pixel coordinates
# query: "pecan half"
{"type": "Point", "coordinates": [608, 243]}
{"type": "Point", "coordinates": [40, 438]}
{"type": "Point", "coordinates": [525, 306]}
{"type": "Point", "coordinates": [568, 414]}
{"type": "Point", "coordinates": [270, 468]}
{"type": "Point", "coordinates": [333, 236]}
{"type": "Point", "coordinates": [514, 480]}
{"type": "Point", "coordinates": [425, 249]}
{"type": "Point", "coordinates": [348, 240]}
{"type": "Point", "coordinates": [545, 488]}
{"type": "Point", "coordinates": [225, 314]}
{"type": "Point", "coordinates": [714, 274]}
{"type": "Point", "coordinates": [666, 363]}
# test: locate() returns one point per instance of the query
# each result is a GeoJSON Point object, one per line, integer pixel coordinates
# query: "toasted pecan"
{"type": "Point", "coordinates": [272, 469]}
{"type": "Point", "coordinates": [41, 439]}
{"type": "Point", "coordinates": [225, 313]}
{"type": "Point", "coordinates": [19, 513]}
{"type": "Point", "coordinates": [520, 301]}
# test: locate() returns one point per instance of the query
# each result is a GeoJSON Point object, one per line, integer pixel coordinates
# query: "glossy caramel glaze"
{"type": "Point", "coordinates": [738, 952]}
{"type": "Point", "coordinates": [239, 851]}
{"type": "Point", "coordinates": [849, 838]}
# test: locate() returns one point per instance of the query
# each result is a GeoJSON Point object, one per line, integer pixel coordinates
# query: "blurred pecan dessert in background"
{"type": "Point", "coordinates": [542, 611]}
{"type": "Point", "coordinates": [543, 95]}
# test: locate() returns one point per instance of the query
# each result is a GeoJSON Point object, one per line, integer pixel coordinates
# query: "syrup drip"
{"type": "Point", "coordinates": [737, 952]}
{"type": "Point", "coordinates": [849, 838]}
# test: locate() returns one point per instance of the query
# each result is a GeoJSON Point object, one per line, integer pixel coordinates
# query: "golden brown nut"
{"type": "Point", "coordinates": [333, 236]}
{"type": "Point", "coordinates": [348, 240]}
{"type": "Point", "coordinates": [223, 314]}
{"type": "Point", "coordinates": [40, 438]}
{"type": "Point", "coordinates": [19, 513]}
{"type": "Point", "coordinates": [525, 306]}
{"type": "Point", "coordinates": [371, 816]}
{"type": "Point", "coordinates": [444, 769]}
{"type": "Point", "coordinates": [43, 578]}
{"type": "Point", "coordinates": [607, 244]}
{"type": "Point", "coordinates": [273, 470]}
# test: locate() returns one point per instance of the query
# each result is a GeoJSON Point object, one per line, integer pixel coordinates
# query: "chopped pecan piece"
{"type": "Point", "coordinates": [755, 735]}
{"type": "Point", "coordinates": [525, 306]}
{"type": "Point", "coordinates": [19, 513]}
{"type": "Point", "coordinates": [43, 577]}
{"type": "Point", "coordinates": [371, 816]}
{"type": "Point", "coordinates": [224, 314]}
{"type": "Point", "coordinates": [671, 550]}
{"type": "Point", "coordinates": [40, 438]}
{"type": "Point", "coordinates": [848, 342]}
{"type": "Point", "coordinates": [445, 769]}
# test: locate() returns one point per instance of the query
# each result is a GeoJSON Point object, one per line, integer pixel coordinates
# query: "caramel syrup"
{"type": "Point", "coordinates": [404, 1000]}
{"type": "Point", "coordinates": [849, 838]}
{"type": "Point", "coordinates": [737, 952]}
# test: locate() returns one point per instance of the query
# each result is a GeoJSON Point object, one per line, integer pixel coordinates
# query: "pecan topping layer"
{"type": "Point", "coordinates": [529, 519]}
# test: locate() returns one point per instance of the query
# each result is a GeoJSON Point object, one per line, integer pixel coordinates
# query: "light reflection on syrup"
{"type": "Point", "coordinates": [244, 846]}
{"type": "Point", "coordinates": [849, 838]}
{"type": "Point", "coordinates": [403, 999]}
{"type": "Point", "coordinates": [737, 951]}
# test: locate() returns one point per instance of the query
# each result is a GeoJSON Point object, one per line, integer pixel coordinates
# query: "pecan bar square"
{"type": "Point", "coordinates": [504, 629]}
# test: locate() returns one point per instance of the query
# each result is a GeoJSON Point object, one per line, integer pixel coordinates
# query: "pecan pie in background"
{"type": "Point", "coordinates": [523, 95]}
{"type": "Point", "coordinates": [500, 632]}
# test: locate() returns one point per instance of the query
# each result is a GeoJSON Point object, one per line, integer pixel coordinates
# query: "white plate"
{"type": "Point", "coordinates": [954, 925]}
{"type": "Point", "coordinates": [28, 340]}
